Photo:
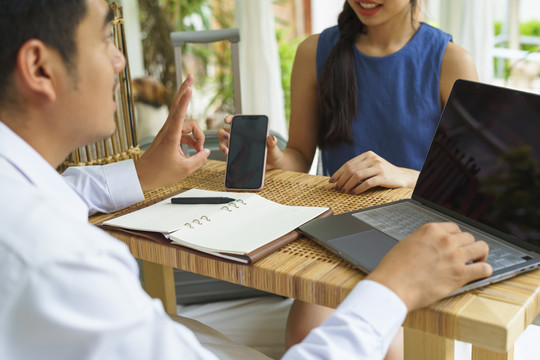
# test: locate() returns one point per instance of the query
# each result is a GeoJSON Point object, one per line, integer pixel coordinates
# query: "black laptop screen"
{"type": "Point", "coordinates": [484, 162]}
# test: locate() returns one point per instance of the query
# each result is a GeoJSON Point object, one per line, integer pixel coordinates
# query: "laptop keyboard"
{"type": "Point", "coordinates": [402, 219]}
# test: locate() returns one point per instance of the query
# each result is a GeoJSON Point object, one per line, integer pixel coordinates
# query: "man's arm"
{"type": "Point", "coordinates": [115, 186]}
{"type": "Point", "coordinates": [106, 188]}
{"type": "Point", "coordinates": [362, 327]}
{"type": "Point", "coordinates": [423, 268]}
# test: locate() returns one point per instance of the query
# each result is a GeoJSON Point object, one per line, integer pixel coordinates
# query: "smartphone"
{"type": "Point", "coordinates": [246, 160]}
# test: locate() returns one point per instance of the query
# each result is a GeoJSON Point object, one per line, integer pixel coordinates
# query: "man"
{"type": "Point", "coordinates": [70, 291]}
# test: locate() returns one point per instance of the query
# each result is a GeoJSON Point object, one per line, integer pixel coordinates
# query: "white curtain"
{"type": "Point", "coordinates": [260, 72]}
{"type": "Point", "coordinates": [470, 22]}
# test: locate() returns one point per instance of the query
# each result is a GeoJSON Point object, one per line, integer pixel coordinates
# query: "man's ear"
{"type": "Point", "coordinates": [36, 64]}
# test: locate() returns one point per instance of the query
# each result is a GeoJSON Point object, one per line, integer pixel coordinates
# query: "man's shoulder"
{"type": "Point", "coordinates": [38, 231]}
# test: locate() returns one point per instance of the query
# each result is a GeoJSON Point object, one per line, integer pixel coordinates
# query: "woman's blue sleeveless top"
{"type": "Point", "coordinates": [398, 100]}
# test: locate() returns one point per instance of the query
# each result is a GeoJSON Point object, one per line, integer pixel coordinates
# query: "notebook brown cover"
{"type": "Point", "coordinates": [248, 258]}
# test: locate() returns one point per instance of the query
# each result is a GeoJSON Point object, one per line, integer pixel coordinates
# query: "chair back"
{"type": "Point", "coordinates": [121, 145]}
{"type": "Point", "coordinates": [178, 39]}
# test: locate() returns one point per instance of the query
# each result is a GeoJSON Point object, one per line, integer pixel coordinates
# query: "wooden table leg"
{"type": "Point", "coordinates": [483, 354]}
{"type": "Point", "coordinates": [419, 345]}
{"type": "Point", "coordinates": [159, 283]}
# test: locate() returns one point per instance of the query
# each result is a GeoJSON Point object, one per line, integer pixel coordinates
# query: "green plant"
{"type": "Point", "coordinates": [530, 28]}
{"type": "Point", "coordinates": [223, 99]}
{"type": "Point", "coordinates": [161, 17]}
{"type": "Point", "coordinates": [158, 19]}
{"type": "Point", "coordinates": [498, 63]}
{"type": "Point", "coordinates": [287, 52]}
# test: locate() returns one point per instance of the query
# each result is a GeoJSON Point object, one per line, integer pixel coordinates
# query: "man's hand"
{"type": "Point", "coordinates": [435, 260]}
{"type": "Point", "coordinates": [164, 163]}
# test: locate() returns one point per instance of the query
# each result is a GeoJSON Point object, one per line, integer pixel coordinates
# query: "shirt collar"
{"type": "Point", "coordinates": [38, 172]}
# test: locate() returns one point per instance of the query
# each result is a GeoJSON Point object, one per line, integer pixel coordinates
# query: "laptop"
{"type": "Point", "coordinates": [482, 171]}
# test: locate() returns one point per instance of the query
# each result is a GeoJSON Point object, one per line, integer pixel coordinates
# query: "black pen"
{"type": "Point", "coordinates": [201, 200]}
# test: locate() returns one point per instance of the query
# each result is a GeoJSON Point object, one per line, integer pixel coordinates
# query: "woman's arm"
{"type": "Point", "coordinates": [303, 127]}
{"type": "Point", "coordinates": [457, 63]}
{"type": "Point", "coordinates": [368, 170]}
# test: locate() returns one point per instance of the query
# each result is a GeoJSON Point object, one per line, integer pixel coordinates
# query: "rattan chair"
{"type": "Point", "coordinates": [122, 145]}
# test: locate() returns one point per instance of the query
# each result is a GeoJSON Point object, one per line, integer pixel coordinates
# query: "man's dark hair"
{"type": "Point", "coordinates": [52, 21]}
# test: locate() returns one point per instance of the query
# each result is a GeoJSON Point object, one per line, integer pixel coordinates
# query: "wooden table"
{"type": "Point", "coordinates": [490, 318]}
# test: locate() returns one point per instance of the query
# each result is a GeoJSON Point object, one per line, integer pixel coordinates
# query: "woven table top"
{"type": "Point", "coordinates": [306, 271]}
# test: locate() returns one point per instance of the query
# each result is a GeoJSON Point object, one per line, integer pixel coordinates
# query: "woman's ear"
{"type": "Point", "coordinates": [35, 68]}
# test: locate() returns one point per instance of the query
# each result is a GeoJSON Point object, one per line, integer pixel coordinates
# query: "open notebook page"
{"type": "Point", "coordinates": [245, 227]}
{"type": "Point", "coordinates": [166, 218]}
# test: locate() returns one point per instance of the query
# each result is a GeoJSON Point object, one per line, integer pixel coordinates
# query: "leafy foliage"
{"type": "Point", "coordinates": [530, 28]}
{"type": "Point", "coordinates": [213, 64]}
{"type": "Point", "coordinates": [287, 51]}
{"type": "Point", "coordinates": [158, 19]}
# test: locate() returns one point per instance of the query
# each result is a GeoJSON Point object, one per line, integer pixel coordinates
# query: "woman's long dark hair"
{"type": "Point", "coordinates": [338, 89]}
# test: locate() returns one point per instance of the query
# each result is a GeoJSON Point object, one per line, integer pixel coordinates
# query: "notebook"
{"type": "Point", "coordinates": [482, 171]}
{"type": "Point", "coordinates": [244, 230]}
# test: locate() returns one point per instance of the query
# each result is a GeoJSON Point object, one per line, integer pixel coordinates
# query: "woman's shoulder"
{"type": "Point", "coordinates": [331, 31]}
{"type": "Point", "coordinates": [433, 31]}
{"type": "Point", "coordinates": [429, 37]}
{"type": "Point", "coordinates": [428, 40]}
{"type": "Point", "coordinates": [308, 46]}
{"type": "Point", "coordinates": [323, 44]}
{"type": "Point", "coordinates": [329, 36]}
{"type": "Point", "coordinates": [454, 52]}
{"type": "Point", "coordinates": [457, 63]}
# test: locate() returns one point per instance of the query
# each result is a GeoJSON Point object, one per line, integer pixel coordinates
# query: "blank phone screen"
{"type": "Point", "coordinates": [247, 152]}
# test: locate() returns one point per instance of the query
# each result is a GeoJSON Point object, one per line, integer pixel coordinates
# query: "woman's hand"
{"type": "Point", "coordinates": [369, 170]}
{"type": "Point", "coordinates": [223, 135]}
{"type": "Point", "coordinates": [274, 154]}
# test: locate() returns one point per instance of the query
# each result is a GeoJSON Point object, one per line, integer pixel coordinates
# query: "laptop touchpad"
{"type": "Point", "coordinates": [365, 249]}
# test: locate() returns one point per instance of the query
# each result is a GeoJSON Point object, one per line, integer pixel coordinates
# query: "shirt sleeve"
{"type": "Point", "coordinates": [364, 325]}
{"type": "Point", "coordinates": [106, 188]}
{"type": "Point", "coordinates": [84, 301]}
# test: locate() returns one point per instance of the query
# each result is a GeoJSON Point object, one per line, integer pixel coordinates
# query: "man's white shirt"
{"type": "Point", "coordinates": [68, 290]}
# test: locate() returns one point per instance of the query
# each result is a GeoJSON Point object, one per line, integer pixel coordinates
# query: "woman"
{"type": "Point", "coordinates": [368, 92]}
